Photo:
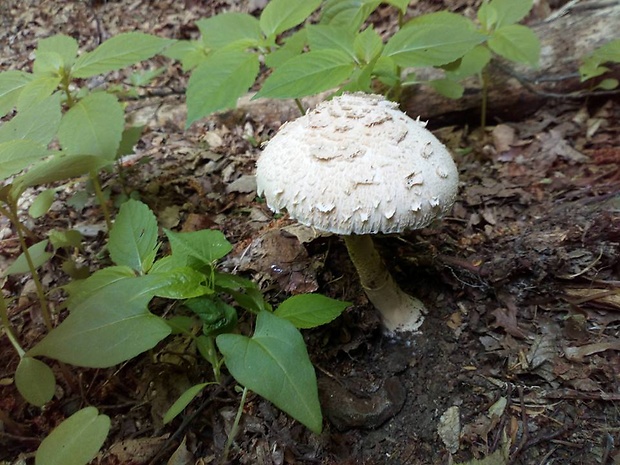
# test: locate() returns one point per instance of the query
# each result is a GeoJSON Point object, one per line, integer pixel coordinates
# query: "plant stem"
{"type": "Point", "coordinates": [4, 319]}
{"type": "Point", "coordinates": [35, 276]}
{"type": "Point", "coordinates": [300, 106]}
{"type": "Point", "coordinates": [235, 427]}
{"type": "Point", "coordinates": [94, 177]}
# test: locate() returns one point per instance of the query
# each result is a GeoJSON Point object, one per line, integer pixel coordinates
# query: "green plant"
{"type": "Point", "coordinates": [109, 321]}
{"type": "Point", "coordinates": [343, 52]}
{"type": "Point", "coordinates": [593, 64]}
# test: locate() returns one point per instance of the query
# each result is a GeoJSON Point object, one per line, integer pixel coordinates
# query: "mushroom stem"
{"type": "Point", "coordinates": [400, 311]}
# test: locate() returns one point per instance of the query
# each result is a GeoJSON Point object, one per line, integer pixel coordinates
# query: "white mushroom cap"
{"type": "Point", "coordinates": [356, 164]}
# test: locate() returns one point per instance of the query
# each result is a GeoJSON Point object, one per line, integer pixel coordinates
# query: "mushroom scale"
{"type": "Point", "coordinates": [356, 164]}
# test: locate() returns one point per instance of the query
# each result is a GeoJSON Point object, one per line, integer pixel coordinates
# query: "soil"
{"type": "Point", "coordinates": [519, 356]}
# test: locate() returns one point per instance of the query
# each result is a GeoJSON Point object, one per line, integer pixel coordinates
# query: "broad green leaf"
{"type": "Point", "coordinates": [500, 13]}
{"type": "Point", "coordinates": [199, 247]}
{"type": "Point", "coordinates": [66, 47]}
{"type": "Point", "coordinates": [225, 281]}
{"type": "Point", "coordinates": [38, 255]}
{"type": "Point", "coordinates": [133, 238]}
{"type": "Point", "coordinates": [400, 4]}
{"type": "Point", "coordinates": [66, 238]}
{"type": "Point", "coordinates": [225, 29]}
{"type": "Point", "coordinates": [219, 81]}
{"type": "Point", "coordinates": [251, 298]}
{"type": "Point", "coordinates": [350, 14]}
{"type": "Point", "coordinates": [386, 71]}
{"type": "Point", "coordinates": [447, 88]}
{"type": "Point", "coordinates": [307, 74]}
{"type": "Point", "coordinates": [35, 381]}
{"type": "Point", "coordinates": [607, 84]}
{"type": "Point", "coordinates": [183, 283]}
{"type": "Point", "coordinates": [76, 440]}
{"type": "Point", "coordinates": [38, 123]}
{"type": "Point", "coordinates": [181, 324]}
{"type": "Point", "coordinates": [310, 310]}
{"type": "Point", "coordinates": [109, 327]}
{"type": "Point", "coordinates": [472, 63]}
{"type": "Point", "coordinates": [93, 126]}
{"type": "Point", "coordinates": [37, 90]}
{"type": "Point", "coordinates": [190, 53]}
{"type": "Point", "coordinates": [11, 84]}
{"type": "Point", "coordinates": [280, 15]}
{"type": "Point", "coordinates": [274, 363]}
{"type": "Point", "coordinates": [293, 46]}
{"type": "Point", "coordinates": [81, 290]}
{"type": "Point", "coordinates": [322, 37]}
{"type": "Point", "coordinates": [609, 52]}
{"type": "Point", "coordinates": [42, 203]}
{"type": "Point", "coordinates": [16, 155]}
{"type": "Point", "coordinates": [131, 136]}
{"type": "Point", "coordinates": [182, 402]}
{"type": "Point", "coordinates": [368, 45]}
{"type": "Point", "coordinates": [433, 40]}
{"type": "Point", "coordinates": [57, 168]}
{"type": "Point", "coordinates": [47, 63]}
{"type": "Point", "coordinates": [216, 315]}
{"type": "Point", "coordinates": [122, 50]}
{"type": "Point", "coordinates": [516, 43]}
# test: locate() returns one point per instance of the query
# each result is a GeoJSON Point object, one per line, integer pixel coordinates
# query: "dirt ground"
{"type": "Point", "coordinates": [518, 359]}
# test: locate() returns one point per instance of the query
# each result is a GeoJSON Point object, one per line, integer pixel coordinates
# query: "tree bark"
{"type": "Point", "coordinates": [515, 91]}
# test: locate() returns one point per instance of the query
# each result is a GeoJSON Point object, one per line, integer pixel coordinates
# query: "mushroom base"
{"type": "Point", "coordinates": [399, 310]}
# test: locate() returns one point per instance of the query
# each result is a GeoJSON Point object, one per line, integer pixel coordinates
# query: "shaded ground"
{"type": "Point", "coordinates": [521, 280]}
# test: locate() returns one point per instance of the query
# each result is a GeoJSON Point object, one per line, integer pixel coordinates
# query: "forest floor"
{"type": "Point", "coordinates": [522, 279]}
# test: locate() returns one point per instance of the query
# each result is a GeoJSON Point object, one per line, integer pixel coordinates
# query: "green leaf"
{"type": "Point", "coordinates": [47, 63]}
{"type": "Point", "coordinates": [38, 254]}
{"type": "Point", "coordinates": [433, 40]}
{"type": "Point", "coordinates": [591, 66]}
{"type": "Point", "coordinates": [190, 53]}
{"type": "Point", "coordinates": [322, 37]}
{"type": "Point", "coordinates": [350, 14]}
{"type": "Point", "coordinates": [59, 167]}
{"type": "Point", "coordinates": [11, 84]}
{"type": "Point", "coordinates": [123, 50]}
{"type": "Point", "coordinates": [447, 88]}
{"type": "Point", "coordinates": [182, 402]}
{"type": "Point", "coordinates": [607, 84]}
{"type": "Point", "coordinates": [219, 81]}
{"type": "Point", "coordinates": [472, 63]}
{"type": "Point", "coordinates": [307, 74]}
{"type": "Point", "coordinates": [500, 13]}
{"type": "Point", "coordinates": [274, 363]}
{"type": "Point", "coordinates": [280, 15]}
{"type": "Point", "coordinates": [131, 136]}
{"type": "Point", "coordinates": [400, 4]}
{"type": "Point", "coordinates": [42, 203]}
{"type": "Point", "coordinates": [310, 310]}
{"type": "Point", "coordinates": [368, 45]}
{"type": "Point", "coordinates": [76, 440]}
{"type": "Point", "coordinates": [198, 247]}
{"type": "Point", "coordinates": [516, 43]}
{"type": "Point", "coordinates": [81, 290]}
{"type": "Point", "coordinates": [180, 324]}
{"type": "Point", "coordinates": [108, 327]}
{"type": "Point", "coordinates": [93, 126]}
{"type": "Point", "coordinates": [219, 31]}
{"type": "Point", "coordinates": [68, 239]}
{"type": "Point", "coordinates": [35, 381]}
{"type": "Point", "coordinates": [18, 154]}
{"type": "Point", "coordinates": [38, 123]}
{"type": "Point", "coordinates": [133, 238]}
{"type": "Point", "coordinates": [66, 47]}
{"type": "Point", "coordinates": [183, 283]}
{"type": "Point", "coordinates": [216, 315]}
{"type": "Point", "coordinates": [293, 46]}
{"type": "Point", "coordinates": [37, 90]}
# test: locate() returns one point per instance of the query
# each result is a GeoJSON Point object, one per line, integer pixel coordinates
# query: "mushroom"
{"type": "Point", "coordinates": [356, 166]}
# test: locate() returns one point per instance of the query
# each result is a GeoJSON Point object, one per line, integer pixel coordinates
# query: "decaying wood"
{"type": "Point", "coordinates": [516, 91]}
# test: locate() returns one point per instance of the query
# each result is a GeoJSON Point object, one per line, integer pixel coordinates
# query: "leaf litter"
{"type": "Point", "coordinates": [521, 345]}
